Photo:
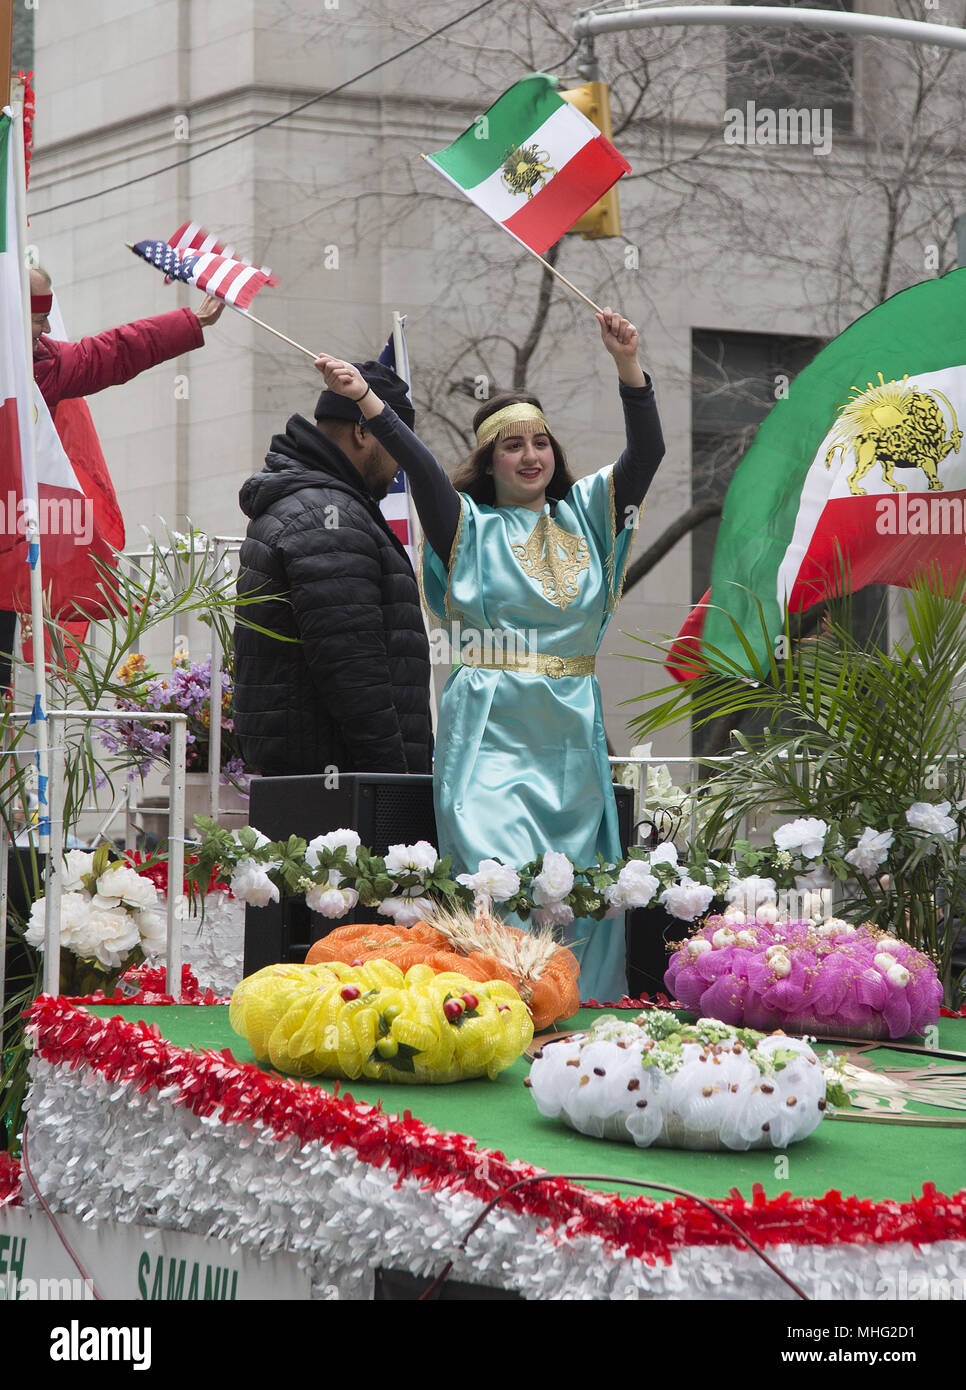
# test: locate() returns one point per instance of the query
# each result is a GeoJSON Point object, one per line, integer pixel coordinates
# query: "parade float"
{"type": "Point", "coordinates": [301, 1153]}
{"type": "Point", "coordinates": [289, 1140]}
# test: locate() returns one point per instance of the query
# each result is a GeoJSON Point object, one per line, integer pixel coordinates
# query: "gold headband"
{"type": "Point", "coordinates": [512, 419]}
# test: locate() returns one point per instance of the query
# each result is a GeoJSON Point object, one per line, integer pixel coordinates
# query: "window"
{"type": "Point", "coordinates": [793, 68]}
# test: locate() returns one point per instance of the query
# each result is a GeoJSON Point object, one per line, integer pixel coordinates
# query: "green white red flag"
{"type": "Point", "coordinates": [862, 463]}
{"type": "Point", "coordinates": [532, 162]}
{"type": "Point", "coordinates": [52, 492]}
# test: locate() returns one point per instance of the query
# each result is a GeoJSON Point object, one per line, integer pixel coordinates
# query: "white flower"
{"type": "Point", "coordinates": [406, 911]}
{"type": "Point", "coordinates": [335, 839]}
{"type": "Point", "coordinates": [898, 974]}
{"type": "Point", "coordinates": [751, 892]}
{"type": "Point", "coordinates": [699, 945]}
{"type": "Point", "coordinates": [420, 858]}
{"type": "Point", "coordinates": [664, 854]}
{"type": "Point", "coordinates": [767, 914]}
{"type": "Point", "coordinates": [251, 883]}
{"type": "Point", "coordinates": [884, 962]}
{"type": "Point", "coordinates": [556, 914]}
{"type": "Point", "coordinates": [687, 899]}
{"type": "Point", "coordinates": [330, 900]}
{"type": "Point", "coordinates": [921, 815]}
{"type": "Point", "coordinates": [746, 939]}
{"type": "Point", "coordinates": [834, 926]}
{"type": "Point", "coordinates": [497, 881]}
{"type": "Point", "coordinates": [635, 887]}
{"type": "Point", "coordinates": [74, 866]}
{"type": "Point", "coordinates": [153, 930]}
{"type": "Point", "coordinates": [781, 965]}
{"type": "Point", "coordinates": [724, 936]}
{"type": "Point", "coordinates": [74, 908]}
{"type": "Point", "coordinates": [806, 834]}
{"type": "Point", "coordinates": [109, 935]}
{"type": "Point", "coordinates": [119, 883]}
{"type": "Point", "coordinates": [555, 880]}
{"type": "Point", "coordinates": [870, 851]}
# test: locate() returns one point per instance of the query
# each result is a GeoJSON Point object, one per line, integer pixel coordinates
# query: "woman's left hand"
{"type": "Point", "coordinates": [620, 338]}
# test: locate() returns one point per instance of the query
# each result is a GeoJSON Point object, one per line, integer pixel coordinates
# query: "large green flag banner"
{"type": "Point", "coordinates": [860, 471]}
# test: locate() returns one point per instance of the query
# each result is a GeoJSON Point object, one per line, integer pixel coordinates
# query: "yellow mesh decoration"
{"type": "Point", "coordinates": [373, 1021]}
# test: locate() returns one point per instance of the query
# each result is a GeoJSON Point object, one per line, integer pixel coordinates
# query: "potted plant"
{"type": "Point", "coordinates": [865, 742]}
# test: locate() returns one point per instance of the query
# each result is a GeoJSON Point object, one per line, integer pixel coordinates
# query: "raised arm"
{"type": "Point", "coordinates": [644, 449]}
{"type": "Point", "coordinates": [436, 500]}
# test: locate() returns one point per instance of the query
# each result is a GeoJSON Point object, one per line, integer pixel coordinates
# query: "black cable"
{"type": "Point", "coordinates": [627, 1182]}
{"type": "Point", "coordinates": [254, 130]}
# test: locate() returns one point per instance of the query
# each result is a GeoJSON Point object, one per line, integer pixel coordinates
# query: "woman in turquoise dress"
{"type": "Point", "coordinates": [523, 566]}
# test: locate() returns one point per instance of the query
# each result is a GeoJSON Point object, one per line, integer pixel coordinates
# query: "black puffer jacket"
{"type": "Point", "coordinates": [351, 691]}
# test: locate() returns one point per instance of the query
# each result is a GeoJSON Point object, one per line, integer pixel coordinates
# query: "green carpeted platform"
{"type": "Point", "coordinates": [878, 1161]}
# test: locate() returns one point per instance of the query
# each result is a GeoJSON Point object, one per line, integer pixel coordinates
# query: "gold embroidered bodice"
{"type": "Point", "coordinates": [555, 558]}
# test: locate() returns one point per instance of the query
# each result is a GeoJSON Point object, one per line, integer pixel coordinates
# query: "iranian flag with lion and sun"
{"type": "Point", "coordinates": [532, 162]}
{"type": "Point", "coordinates": [862, 463]}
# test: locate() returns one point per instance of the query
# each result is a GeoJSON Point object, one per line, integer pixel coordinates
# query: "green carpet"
{"type": "Point", "coordinates": [877, 1161]}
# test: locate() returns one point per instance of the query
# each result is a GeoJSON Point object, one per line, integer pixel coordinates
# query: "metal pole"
{"type": "Point", "coordinates": [176, 852]}
{"type": "Point", "coordinates": [53, 876]}
{"type": "Point", "coordinates": [30, 401]}
{"type": "Point", "coordinates": [214, 708]}
{"type": "Point", "coordinates": [4, 896]}
{"type": "Point", "coordinates": [589, 24]}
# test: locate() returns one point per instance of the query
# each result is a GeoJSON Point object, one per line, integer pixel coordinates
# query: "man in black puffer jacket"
{"type": "Point", "coordinates": [349, 692]}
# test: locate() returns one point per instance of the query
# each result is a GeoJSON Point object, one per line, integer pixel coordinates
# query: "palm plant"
{"type": "Point", "coordinates": [855, 736]}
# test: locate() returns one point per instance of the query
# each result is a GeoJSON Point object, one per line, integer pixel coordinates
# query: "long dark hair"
{"type": "Point", "coordinates": [473, 477]}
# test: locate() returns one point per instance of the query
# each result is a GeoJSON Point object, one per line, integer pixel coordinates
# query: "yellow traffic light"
{"type": "Point", "coordinates": [604, 218]}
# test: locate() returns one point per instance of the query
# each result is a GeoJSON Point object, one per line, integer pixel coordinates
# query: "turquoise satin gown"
{"type": "Point", "coordinates": [521, 759]}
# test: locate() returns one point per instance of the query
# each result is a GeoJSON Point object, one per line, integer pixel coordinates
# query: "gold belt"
{"type": "Point", "coordinates": [536, 664]}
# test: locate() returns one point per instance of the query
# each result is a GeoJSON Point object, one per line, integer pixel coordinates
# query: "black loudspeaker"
{"type": "Point", "coordinates": [649, 930]}
{"type": "Point", "coordinates": [383, 808]}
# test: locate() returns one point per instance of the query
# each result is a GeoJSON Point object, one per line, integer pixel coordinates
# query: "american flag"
{"type": "Point", "coordinates": [236, 282]}
{"type": "Point", "coordinates": [194, 239]}
{"type": "Point", "coordinates": [395, 506]}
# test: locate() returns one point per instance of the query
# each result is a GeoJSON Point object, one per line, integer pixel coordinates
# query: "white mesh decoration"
{"type": "Point", "coordinates": [702, 1086]}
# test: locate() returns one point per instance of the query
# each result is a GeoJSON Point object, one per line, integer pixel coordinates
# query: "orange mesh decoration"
{"type": "Point", "coordinates": [549, 989]}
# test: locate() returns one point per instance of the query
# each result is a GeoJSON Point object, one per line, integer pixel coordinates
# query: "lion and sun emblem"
{"type": "Point", "coordinates": [895, 425]}
{"type": "Point", "coordinates": [527, 170]}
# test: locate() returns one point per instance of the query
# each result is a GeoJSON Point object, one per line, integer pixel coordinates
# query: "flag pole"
{"type": "Point", "coordinates": [252, 319]}
{"type": "Point", "coordinates": [6, 49]}
{"type": "Point", "coordinates": [546, 264]}
{"type": "Point", "coordinates": [268, 327]}
{"type": "Point", "coordinates": [30, 491]}
{"type": "Point", "coordinates": [402, 360]}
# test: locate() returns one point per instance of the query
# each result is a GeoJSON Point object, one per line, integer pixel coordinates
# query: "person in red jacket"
{"type": "Point", "coordinates": [66, 370]}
